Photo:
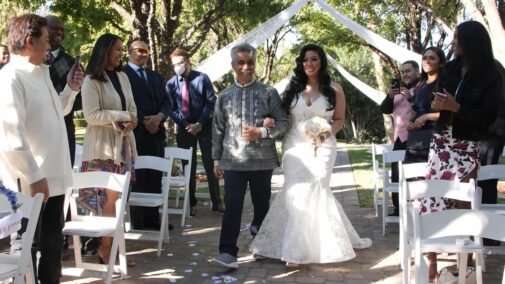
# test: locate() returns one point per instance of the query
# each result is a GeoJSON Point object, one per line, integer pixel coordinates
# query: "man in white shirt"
{"type": "Point", "coordinates": [34, 151]}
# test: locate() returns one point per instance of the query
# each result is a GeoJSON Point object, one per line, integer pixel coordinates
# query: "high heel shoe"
{"type": "Point", "coordinates": [105, 260]}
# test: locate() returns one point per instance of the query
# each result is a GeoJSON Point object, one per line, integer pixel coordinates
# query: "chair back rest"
{"type": "Point", "coordinates": [458, 222]}
{"type": "Point", "coordinates": [156, 163]}
{"type": "Point", "coordinates": [179, 153]}
{"type": "Point", "coordinates": [414, 170]}
{"type": "Point", "coordinates": [153, 163]}
{"type": "Point", "coordinates": [116, 182]}
{"type": "Point", "coordinates": [491, 172]}
{"type": "Point", "coordinates": [441, 188]}
{"type": "Point", "coordinates": [30, 208]}
{"type": "Point", "coordinates": [393, 156]}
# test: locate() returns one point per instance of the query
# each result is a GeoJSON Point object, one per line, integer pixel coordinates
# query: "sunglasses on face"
{"type": "Point", "coordinates": [141, 51]}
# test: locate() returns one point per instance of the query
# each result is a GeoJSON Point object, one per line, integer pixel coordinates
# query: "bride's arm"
{"type": "Point", "coordinates": [339, 112]}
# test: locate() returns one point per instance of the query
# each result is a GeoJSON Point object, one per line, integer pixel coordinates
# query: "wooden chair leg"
{"type": "Point", "coordinates": [463, 259]}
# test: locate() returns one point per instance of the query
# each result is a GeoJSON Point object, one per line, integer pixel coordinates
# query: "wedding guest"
{"type": "Point", "coordinates": [193, 99]}
{"type": "Point", "coordinates": [111, 115]}
{"type": "Point", "coordinates": [433, 60]}
{"type": "Point", "coordinates": [60, 62]}
{"type": "Point", "coordinates": [468, 101]}
{"type": "Point", "coordinates": [153, 107]}
{"type": "Point", "coordinates": [4, 55]}
{"type": "Point", "coordinates": [243, 150]}
{"type": "Point", "coordinates": [398, 102]}
{"type": "Point", "coordinates": [305, 216]}
{"type": "Point", "coordinates": [33, 138]}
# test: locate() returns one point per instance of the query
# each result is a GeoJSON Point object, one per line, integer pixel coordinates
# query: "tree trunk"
{"type": "Point", "coordinates": [379, 75]}
{"type": "Point", "coordinates": [496, 30]}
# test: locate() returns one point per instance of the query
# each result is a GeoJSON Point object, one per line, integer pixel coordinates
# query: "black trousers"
{"type": "Point", "coordinates": [490, 152]}
{"type": "Point", "coordinates": [147, 181]}
{"type": "Point", "coordinates": [399, 145]}
{"type": "Point", "coordinates": [204, 140]}
{"type": "Point", "coordinates": [235, 186]}
{"type": "Point", "coordinates": [48, 239]}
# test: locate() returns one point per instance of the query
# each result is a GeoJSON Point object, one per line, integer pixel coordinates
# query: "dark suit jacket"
{"type": "Point", "coordinates": [58, 71]}
{"type": "Point", "coordinates": [150, 97]}
{"type": "Point", "coordinates": [202, 99]}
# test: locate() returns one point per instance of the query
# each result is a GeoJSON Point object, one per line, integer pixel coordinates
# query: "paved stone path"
{"type": "Point", "coordinates": [186, 258]}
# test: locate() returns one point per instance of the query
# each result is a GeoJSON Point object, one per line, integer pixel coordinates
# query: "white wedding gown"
{"type": "Point", "coordinates": [305, 222]}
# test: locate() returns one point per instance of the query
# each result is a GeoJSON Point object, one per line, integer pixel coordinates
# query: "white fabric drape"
{"type": "Point", "coordinates": [391, 49]}
{"type": "Point", "coordinates": [373, 94]}
{"type": "Point", "coordinates": [219, 63]}
{"type": "Point", "coordinates": [282, 84]}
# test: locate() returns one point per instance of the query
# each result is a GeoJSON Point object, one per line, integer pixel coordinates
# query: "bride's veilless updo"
{"type": "Point", "coordinates": [299, 80]}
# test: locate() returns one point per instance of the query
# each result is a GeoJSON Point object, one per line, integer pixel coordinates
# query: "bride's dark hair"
{"type": "Point", "coordinates": [299, 80]}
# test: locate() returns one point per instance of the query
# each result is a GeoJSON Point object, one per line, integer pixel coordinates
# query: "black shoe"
{"type": "Point", "coordinates": [218, 208]}
{"type": "Point", "coordinates": [491, 242]}
{"type": "Point", "coordinates": [192, 210]}
{"type": "Point", "coordinates": [395, 213]}
{"type": "Point", "coordinates": [91, 246]}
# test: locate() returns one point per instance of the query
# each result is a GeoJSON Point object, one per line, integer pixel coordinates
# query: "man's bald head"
{"type": "Point", "coordinates": [138, 53]}
{"type": "Point", "coordinates": [56, 30]}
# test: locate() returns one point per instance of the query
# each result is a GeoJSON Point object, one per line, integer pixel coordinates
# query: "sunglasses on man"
{"type": "Point", "coordinates": [141, 51]}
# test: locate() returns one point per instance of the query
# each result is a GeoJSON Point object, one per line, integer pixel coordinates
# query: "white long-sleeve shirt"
{"type": "Point", "coordinates": [33, 137]}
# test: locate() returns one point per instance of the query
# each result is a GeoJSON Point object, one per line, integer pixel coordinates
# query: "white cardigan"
{"type": "Point", "coordinates": [33, 137]}
{"type": "Point", "coordinates": [101, 106]}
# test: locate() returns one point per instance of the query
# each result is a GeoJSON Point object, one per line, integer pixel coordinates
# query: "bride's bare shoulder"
{"type": "Point", "coordinates": [338, 88]}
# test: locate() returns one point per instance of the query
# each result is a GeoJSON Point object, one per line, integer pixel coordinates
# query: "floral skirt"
{"type": "Point", "coordinates": [449, 159]}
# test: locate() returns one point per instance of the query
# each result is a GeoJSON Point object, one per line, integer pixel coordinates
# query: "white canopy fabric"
{"type": "Point", "coordinates": [219, 63]}
{"type": "Point", "coordinates": [393, 50]}
{"type": "Point", "coordinates": [373, 94]}
{"type": "Point", "coordinates": [282, 84]}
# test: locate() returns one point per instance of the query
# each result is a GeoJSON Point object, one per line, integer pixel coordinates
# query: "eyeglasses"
{"type": "Point", "coordinates": [141, 51]}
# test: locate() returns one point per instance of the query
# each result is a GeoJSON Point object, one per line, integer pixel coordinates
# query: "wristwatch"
{"type": "Point", "coordinates": [199, 125]}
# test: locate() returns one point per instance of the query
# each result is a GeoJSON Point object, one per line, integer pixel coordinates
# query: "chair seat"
{"type": "Point", "coordinates": [448, 245]}
{"type": "Point", "coordinates": [7, 270]}
{"type": "Point", "coordinates": [493, 208]}
{"type": "Point", "coordinates": [145, 199]}
{"type": "Point", "coordinates": [91, 228]}
{"type": "Point", "coordinates": [175, 181]}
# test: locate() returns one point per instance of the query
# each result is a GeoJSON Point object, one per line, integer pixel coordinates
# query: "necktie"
{"type": "Point", "coordinates": [142, 75]}
{"type": "Point", "coordinates": [185, 99]}
{"type": "Point", "coordinates": [49, 58]}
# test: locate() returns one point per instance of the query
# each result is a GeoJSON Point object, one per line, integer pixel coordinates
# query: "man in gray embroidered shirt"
{"type": "Point", "coordinates": [244, 151]}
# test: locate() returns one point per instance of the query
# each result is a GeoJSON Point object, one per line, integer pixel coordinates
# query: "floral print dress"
{"type": "Point", "coordinates": [449, 159]}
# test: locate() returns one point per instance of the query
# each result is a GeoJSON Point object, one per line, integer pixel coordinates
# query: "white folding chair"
{"type": "Point", "coordinates": [407, 171]}
{"type": "Point", "coordinates": [19, 265]}
{"type": "Point", "coordinates": [388, 186]}
{"type": "Point", "coordinates": [158, 200]}
{"type": "Point", "coordinates": [100, 226]}
{"type": "Point", "coordinates": [453, 226]}
{"type": "Point", "coordinates": [492, 172]}
{"type": "Point", "coordinates": [78, 157]}
{"type": "Point", "coordinates": [180, 182]}
{"type": "Point", "coordinates": [378, 149]}
{"type": "Point", "coordinates": [415, 190]}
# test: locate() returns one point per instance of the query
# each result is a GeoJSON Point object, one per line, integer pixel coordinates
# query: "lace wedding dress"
{"type": "Point", "coordinates": [305, 222]}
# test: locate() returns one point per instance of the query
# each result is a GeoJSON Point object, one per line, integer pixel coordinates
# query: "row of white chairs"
{"type": "Point", "coordinates": [443, 231]}
{"type": "Point", "coordinates": [100, 226]}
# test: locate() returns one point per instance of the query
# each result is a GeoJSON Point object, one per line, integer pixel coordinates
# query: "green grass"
{"type": "Point", "coordinates": [361, 163]}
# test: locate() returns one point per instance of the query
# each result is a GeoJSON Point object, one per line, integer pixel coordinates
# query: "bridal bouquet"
{"type": "Point", "coordinates": [315, 128]}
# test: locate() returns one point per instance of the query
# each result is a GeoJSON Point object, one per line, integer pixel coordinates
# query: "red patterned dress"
{"type": "Point", "coordinates": [449, 159]}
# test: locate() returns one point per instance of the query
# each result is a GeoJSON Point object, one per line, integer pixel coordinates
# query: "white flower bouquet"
{"type": "Point", "coordinates": [316, 127]}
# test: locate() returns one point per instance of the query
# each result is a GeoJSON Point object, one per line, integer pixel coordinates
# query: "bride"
{"type": "Point", "coordinates": [305, 223]}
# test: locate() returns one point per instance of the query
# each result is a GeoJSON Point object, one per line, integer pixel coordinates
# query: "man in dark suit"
{"type": "Point", "coordinates": [60, 63]}
{"type": "Point", "coordinates": [153, 107]}
{"type": "Point", "coordinates": [193, 99]}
